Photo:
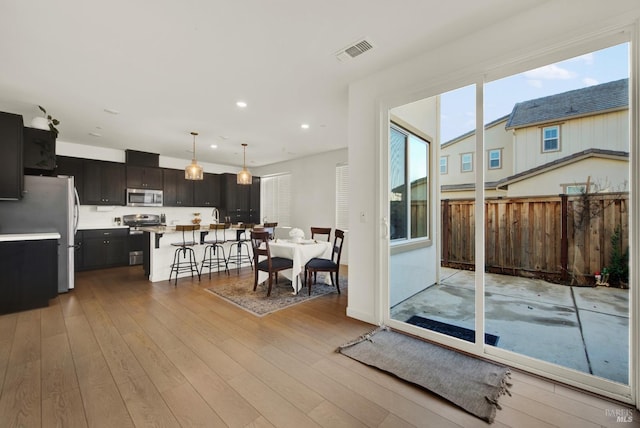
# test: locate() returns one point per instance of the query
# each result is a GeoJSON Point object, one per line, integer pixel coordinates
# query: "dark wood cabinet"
{"type": "Point", "coordinates": [206, 193]}
{"type": "Point", "coordinates": [178, 192]}
{"type": "Point", "coordinates": [102, 248]}
{"type": "Point", "coordinates": [254, 198]}
{"type": "Point", "coordinates": [104, 183]}
{"type": "Point", "coordinates": [241, 203]}
{"type": "Point", "coordinates": [142, 177]}
{"type": "Point", "coordinates": [73, 167]}
{"type": "Point", "coordinates": [24, 286]}
{"type": "Point", "coordinates": [11, 152]}
{"type": "Point", "coordinates": [39, 151]}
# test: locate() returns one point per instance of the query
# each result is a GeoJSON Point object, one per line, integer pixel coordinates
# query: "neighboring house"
{"type": "Point", "coordinates": [545, 146]}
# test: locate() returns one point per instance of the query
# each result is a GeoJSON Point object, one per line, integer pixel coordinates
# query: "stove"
{"type": "Point", "coordinates": [136, 236]}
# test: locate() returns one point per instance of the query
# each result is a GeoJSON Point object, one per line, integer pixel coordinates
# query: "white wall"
{"type": "Point", "coordinates": [313, 191]}
{"type": "Point", "coordinates": [511, 44]}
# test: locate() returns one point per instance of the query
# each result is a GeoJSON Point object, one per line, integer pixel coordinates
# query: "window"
{"type": "Point", "coordinates": [409, 199]}
{"type": "Point", "coordinates": [495, 159]}
{"type": "Point", "coordinates": [466, 162]}
{"type": "Point", "coordinates": [551, 138]}
{"type": "Point", "coordinates": [275, 199]}
{"type": "Point", "coordinates": [444, 164]}
{"type": "Point", "coordinates": [342, 197]}
{"type": "Point", "coordinates": [575, 189]}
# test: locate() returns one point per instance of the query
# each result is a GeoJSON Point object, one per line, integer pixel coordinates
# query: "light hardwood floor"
{"type": "Point", "coordinates": [119, 351]}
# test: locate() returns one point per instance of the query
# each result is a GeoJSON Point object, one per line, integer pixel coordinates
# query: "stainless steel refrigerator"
{"type": "Point", "coordinates": [49, 204]}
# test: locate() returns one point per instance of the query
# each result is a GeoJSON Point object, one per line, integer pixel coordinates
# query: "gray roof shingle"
{"type": "Point", "coordinates": [579, 102]}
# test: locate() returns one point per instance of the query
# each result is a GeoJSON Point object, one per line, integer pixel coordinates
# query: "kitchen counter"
{"type": "Point", "coordinates": [13, 237]}
{"type": "Point", "coordinates": [95, 227]}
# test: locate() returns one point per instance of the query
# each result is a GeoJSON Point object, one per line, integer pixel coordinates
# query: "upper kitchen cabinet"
{"type": "Point", "coordinates": [39, 151]}
{"type": "Point", "coordinates": [142, 177]}
{"type": "Point", "coordinates": [11, 166]}
{"type": "Point", "coordinates": [240, 202]}
{"type": "Point", "coordinates": [206, 193]}
{"type": "Point", "coordinates": [104, 183]}
{"type": "Point", "coordinates": [73, 167]}
{"type": "Point", "coordinates": [178, 192]}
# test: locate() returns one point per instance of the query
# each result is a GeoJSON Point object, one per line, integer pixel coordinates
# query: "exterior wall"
{"type": "Point", "coordinates": [606, 131]}
{"type": "Point", "coordinates": [608, 175]}
{"type": "Point", "coordinates": [496, 137]}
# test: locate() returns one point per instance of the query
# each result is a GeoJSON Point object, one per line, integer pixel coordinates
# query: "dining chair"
{"type": "Point", "coordinates": [213, 256]}
{"type": "Point", "coordinates": [321, 231]}
{"type": "Point", "coordinates": [332, 266]}
{"type": "Point", "coordinates": [184, 258]}
{"type": "Point", "coordinates": [270, 227]}
{"type": "Point", "coordinates": [271, 265]}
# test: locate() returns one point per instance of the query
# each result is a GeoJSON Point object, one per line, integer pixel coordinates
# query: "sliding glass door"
{"type": "Point", "coordinates": [509, 236]}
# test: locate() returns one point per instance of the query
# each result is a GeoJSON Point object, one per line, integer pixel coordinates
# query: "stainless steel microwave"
{"type": "Point", "coordinates": [144, 198]}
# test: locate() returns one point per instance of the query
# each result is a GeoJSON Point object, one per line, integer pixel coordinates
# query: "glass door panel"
{"type": "Point", "coordinates": [556, 208]}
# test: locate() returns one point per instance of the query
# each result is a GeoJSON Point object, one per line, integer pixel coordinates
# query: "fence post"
{"type": "Point", "coordinates": [445, 231]}
{"type": "Point", "coordinates": [564, 242]}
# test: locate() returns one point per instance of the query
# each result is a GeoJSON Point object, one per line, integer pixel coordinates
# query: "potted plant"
{"type": "Point", "coordinates": [46, 122]}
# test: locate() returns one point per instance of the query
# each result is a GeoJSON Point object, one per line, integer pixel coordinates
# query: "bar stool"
{"type": "Point", "coordinates": [182, 263]}
{"type": "Point", "coordinates": [241, 242]}
{"type": "Point", "coordinates": [211, 258]}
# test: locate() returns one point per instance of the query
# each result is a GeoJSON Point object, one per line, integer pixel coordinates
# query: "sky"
{"type": "Point", "coordinates": [458, 107]}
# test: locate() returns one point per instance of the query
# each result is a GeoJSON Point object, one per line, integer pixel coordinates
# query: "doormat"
{"type": "Point", "coordinates": [473, 384]}
{"type": "Point", "coordinates": [452, 330]}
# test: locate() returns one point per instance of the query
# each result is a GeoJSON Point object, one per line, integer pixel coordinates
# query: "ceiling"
{"type": "Point", "coordinates": [168, 68]}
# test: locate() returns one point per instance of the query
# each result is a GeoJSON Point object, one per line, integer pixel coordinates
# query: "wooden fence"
{"type": "Point", "coordinates": [564, 239]}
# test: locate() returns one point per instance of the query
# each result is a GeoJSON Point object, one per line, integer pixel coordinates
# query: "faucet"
{"type": "Point", "coordinates": [216, 215]}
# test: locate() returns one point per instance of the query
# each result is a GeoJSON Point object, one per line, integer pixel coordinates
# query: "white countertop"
{"type": "Point", "coordinates": [12, 237]}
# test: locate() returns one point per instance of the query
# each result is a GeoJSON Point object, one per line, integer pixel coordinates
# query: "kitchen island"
{"type": "Point", "coordinates": [158, 239]}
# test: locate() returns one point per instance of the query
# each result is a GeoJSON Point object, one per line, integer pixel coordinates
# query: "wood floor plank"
{"type": "Point", "coordinates": [272, 406]}
{"type": "Point", "coordinates": [58, 368]}
{"type": "Point", "coordinates": [145, 404]}
{"type": "Point", "coordinates": [104, 406]}
{"type": "Point", "coordinates": [190, 409]}
{"type": "Point", "coordinates": [64, 410]}
{"type": "Point", "coordinates": [232, 408]}
{"type": "Point", "coordinates": [20, 401]}
{"type": "Point", "coordinates": [329, 415]}
{"type": "Point", "coordinates": [26, 345]}
{"type": "Point", "coordinates": [52, 321]}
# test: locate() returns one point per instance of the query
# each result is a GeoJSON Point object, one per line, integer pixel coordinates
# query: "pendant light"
{"type": "Point", "coordinates": [244, 176]}
{"type": "Point", "coordinates": [193, 171]}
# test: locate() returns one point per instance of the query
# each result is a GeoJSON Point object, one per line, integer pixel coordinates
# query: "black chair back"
{"type": "Point", "coordinates": [337, 246]}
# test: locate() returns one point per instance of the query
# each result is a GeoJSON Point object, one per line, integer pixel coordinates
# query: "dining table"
{"type": "Point", "coordinates": [300, 252]}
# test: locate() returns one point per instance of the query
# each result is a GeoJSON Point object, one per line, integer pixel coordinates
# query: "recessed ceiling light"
{"type": "Point", "coordinates": [214, 146]}
{"type": "Point", "coordinates": [304, 126]}
{"type": "Point", "coordinates": [95, 134]}
{"type": "Point", "coordinates": [241, 104]}
{"type": "Point", "coordinates": [111, 111]}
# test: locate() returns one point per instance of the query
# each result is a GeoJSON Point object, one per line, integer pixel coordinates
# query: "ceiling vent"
{"type": "Point", "coordinates": [355, 49]}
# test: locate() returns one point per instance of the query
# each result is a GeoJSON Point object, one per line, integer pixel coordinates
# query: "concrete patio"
{"type": "Point", "coordinates": [583, 328]}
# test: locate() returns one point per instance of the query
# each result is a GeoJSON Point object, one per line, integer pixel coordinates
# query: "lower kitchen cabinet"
{"type": "Point", "coordinates": [29, 274]}
{"type": "Point", "coordinates": [102, 248]}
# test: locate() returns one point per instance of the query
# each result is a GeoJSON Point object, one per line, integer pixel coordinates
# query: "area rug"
{"type": "Point", "coordinates": [470, 383]}
{"type": "Point", "coordinates": [452, 330]}
{"type": "Point", "coordinates": [256, 302]}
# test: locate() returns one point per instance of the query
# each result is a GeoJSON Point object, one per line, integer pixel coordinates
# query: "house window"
{"type": "Point", "coordinates": [409, 198]}
{"type": "Point", "coordinates": [342, 197]}
{"type": "Point", "coordinates": [466, 162]}
{"type": "Point", "coordinates": [275, 199]}
{"type": "Point", "coordinates": [575, 189]}
{"type": "Point", "coordinates": [444, 164]}
{"type": "Point", "coordinates": [551, 138]}
{"type": "Point", "coordinates": [495, 159]}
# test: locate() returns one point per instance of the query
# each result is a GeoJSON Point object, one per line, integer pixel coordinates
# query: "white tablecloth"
{"type": "Point", "coordinates": [300, 253]}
